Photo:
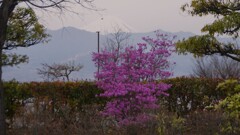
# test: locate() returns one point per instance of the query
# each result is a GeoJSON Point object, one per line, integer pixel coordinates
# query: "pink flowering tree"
{"type": "Point", "coordinates": [129, 77]}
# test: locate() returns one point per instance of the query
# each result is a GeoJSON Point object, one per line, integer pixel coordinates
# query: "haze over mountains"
{"type": "Point", "coordinates": [108, 24]}
{"type": "Point", "coordinates": [69, 44]}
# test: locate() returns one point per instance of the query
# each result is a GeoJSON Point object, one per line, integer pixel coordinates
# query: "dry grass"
{"type": "Point", "coordinates": [43, 119]}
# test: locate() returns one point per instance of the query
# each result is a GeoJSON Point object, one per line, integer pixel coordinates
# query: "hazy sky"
{"type": "Point", "coordinates": [142, 15]}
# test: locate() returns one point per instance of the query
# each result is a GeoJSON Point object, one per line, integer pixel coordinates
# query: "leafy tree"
{"type": "Point", "coordinates": [23, 30]}
{"type": "Point", "coordinates": [227, 23]}
{"type": "Point", "coordinates": [58, 71]}
{"type": "Point", "coordinates": [129, 79]}
{"type": "Point", "coordinates": [7, 8]}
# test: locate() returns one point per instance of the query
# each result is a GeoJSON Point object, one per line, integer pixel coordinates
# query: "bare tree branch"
{"type": "Point", "coordinates": [216, 67]}
{"type": "Point", "coordinates": [117, 40]}
{"type": "Point", "coordinates": [58, 71]}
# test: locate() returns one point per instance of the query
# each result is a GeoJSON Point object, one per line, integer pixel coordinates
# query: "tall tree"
{"type": "Point", "coordinates": [23, 30]}
{"type": "Point", "coordinates": [227, 23]}
{"type": "Point", "coordinates": [7, 8]}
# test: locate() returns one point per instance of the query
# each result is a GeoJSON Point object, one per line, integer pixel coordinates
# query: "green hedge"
{"type": "Point", "coordinates": [54, 94]}
{"type": "Point", "coordinates": [186, 94]}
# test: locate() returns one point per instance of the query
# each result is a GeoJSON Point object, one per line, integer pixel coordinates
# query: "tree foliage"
{"type": "Point", "coordinates": [227, 22]}
{"type": "Point", "coordinates": [230, 106]}
{"type": "Point", "coordinates": [129, 79]}
{"type": "Point", "coordinates": [23, 30]}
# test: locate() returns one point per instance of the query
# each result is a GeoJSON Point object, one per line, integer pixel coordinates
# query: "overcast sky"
{"type": "Point", "coordinates": [142, 15]}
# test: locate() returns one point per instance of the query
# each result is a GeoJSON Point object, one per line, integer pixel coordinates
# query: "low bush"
{"type": "Point", "coordinates": [230, 106]}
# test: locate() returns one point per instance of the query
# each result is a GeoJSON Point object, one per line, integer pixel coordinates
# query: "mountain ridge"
{"type": "Point", "coordinates": [71, 43]}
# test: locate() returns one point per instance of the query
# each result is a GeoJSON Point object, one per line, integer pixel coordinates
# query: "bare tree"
{"type": "Point", "coordinates": [217, 67]}
{"type": "Point", "coordinates": [58, 71]}
{"type": "Point", "coordinates": [118, 39]}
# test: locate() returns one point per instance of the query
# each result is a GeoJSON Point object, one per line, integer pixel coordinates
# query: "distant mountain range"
{"type": "Point", "coordinates": [69, 43]}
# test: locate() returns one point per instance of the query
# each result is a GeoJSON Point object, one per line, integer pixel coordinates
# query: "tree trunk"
{"type": "Point", "coordinates": [2, 110]}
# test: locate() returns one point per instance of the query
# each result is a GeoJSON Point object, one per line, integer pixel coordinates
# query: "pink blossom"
{"type": "Point", "coordinates": [129, 78]}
